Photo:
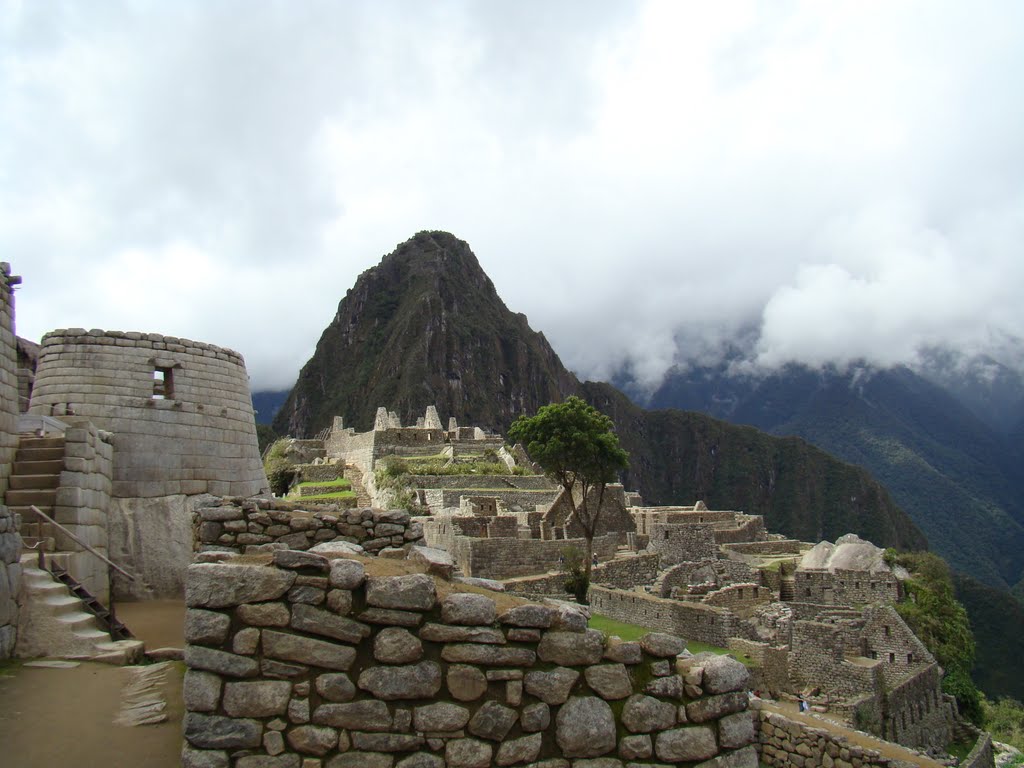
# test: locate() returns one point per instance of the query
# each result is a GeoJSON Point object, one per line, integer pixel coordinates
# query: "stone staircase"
{"type": "Point", "coordinates": [54, 622]}
{"type": "Point", "coordinates": [787, 589]}
{"type": "Point", "coordinates": [355, 476]}
{"type": "Point", "coordinates": [34, 479]}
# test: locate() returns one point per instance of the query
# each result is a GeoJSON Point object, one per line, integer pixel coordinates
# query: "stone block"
{"type": "Point", "coordinates": [551, 687]}
{"type": "Point", "coordinates": [585, 727]}
{"type": "Point", "coordinates": [415, 592]}
{"type": "Point", "coordinates": [215, 732]}
{"type": "Point", "coordinates": [306, 618]}
{"type": "Point", "coordinates": [222, 585]}
{"type": "Point", "coordinates": [206, 627]}
{"type": "Point", "coordinates": [488, 655]}
{"type": "Point", "coordinates": [386, 742]}
{"type": "Point", "coordinates": [609, 681]}
{"type": "Point", "coordinates": [645, 714]}
{"type": "Point", "coordinates": [466, 683]}
{"type": "Point", "coordinates": [221, 662]}
{"type": "Point", "coordinates": [305, 650]}
{"type": "Point", "coordinates": [313, 739]}
{"type": "Point", "coordinates": [263, 698]}
{"type": "Point", "coordinates": [414, 681]}
{"type": "Point", "coordinates": [366, 715]}
{"type": "Point", "coordinates": [335, 687]}
{"type": "Point", "coordinates": [695, 742]}
{"type": "Point", "coordinates": [201, 691]}
{"type": "Point", "coordinates": [440, 716]}
{"type": "Point", "coordinates": [571, 648]}
{"type": "Point", "coordinates": [467, 753]}
{"type": "Point", "coordinates": [493, 721]}
{"type": "Point", "coordinates": [395, 645]}
{"type": "Point", "coordinates": [264, 614]}
{"type": "Point", "coordinates": [467, 608]}
{"type": "Point", "coordinates": [444, 633]}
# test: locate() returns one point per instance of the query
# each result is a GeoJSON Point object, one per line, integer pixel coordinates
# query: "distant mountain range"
{"type": "Point", "coordinates": [427, 327]}
{"type": "Point", "coordinates": [956, 475]}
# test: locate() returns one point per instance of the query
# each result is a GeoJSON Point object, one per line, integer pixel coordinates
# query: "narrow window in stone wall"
{"type": "Point", "coordinates": [888, 631]}
{"type": "Point", "coordinates": [163, 383]}
{"type": "Point", "coordinates": [910, 658]}
{"type": "Point", "coordinates": [892, 658]}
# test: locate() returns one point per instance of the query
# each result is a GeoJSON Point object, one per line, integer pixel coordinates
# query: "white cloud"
{"type": "Point", "coordinates": [644, 180]}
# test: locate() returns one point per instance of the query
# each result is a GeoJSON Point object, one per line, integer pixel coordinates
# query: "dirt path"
{"type": "Point", "coordinates": [65, 717]}
{"type": "Point", "coordinates": [886, 748]}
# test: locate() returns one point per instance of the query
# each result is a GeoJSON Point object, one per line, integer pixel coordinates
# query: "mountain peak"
{"type": "Point", "coordinates": [425, 327]}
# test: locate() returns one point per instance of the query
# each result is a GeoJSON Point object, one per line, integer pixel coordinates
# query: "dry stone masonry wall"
{"type": "Point", "coordinates": [243, 525]}
{"type": "Point", "coordinates": [316, 663]}
{"type": "Point", "coordinates": [180, 410]}
{"type": "Point", "coordinates": [10, 539]}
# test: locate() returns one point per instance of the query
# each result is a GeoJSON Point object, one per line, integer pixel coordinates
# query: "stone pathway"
{"type": "Point", "coordinates": [66, 716]}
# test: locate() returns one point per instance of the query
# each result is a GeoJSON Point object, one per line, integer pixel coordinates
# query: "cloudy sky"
{"type": "Point", "coordinates": [644, 180]}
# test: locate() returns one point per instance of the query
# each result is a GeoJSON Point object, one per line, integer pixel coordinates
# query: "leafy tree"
{"type": "Point", "coordinates": [576, 446]}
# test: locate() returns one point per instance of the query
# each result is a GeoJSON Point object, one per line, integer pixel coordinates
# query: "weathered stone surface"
{"type": "Point", "coordinates": [636, 747]}
{"type": "Point", "coordinates": [313, 739]}
{"type": "Point", "coordinates": [394, 645]}
{"type": "Point", "coordinates": [204, 758]}
{"type": "Point", "coordinates": [367, 715]}
{"type": "Point", "coordinates": [246, 641]}
{"type": "Point", "coordinates": [670, 687]}
{"type": "Point", "coordinates": [221, 662]}
{"type": "Point", "coordinates": [264, 614]}
{"type": "Point", "coordinates": [489, 655]}
{"type": "Point", "coordinates": [522, 750]}
{"type": "Point", "coordinates": [569, 617]}
{"type": "Point", "coordinates": [306, 594]}
{"type": "Point", "coordinates": [473, 581]}
{"type": "Point", "coordinates": [723, 674]}
{"type": "Point", "coordinates": [736, 730]}
{"type": "Point", "coordinates": [268, 761]}
{"type": "Point", "coordinates": [215, 732]}
{"type": "Point", "coordinates": [413, 681]}
{"type": "Point", "coordinates": [415, 592]}
{"type": "Point", "coordinates": [293, 559]}
{"type": "Point", "coordinates": [535, 717]}
{"type": "Point", "coordinates": [623, 652]}
{"type": "Point", "coordinates": [571, 648]}
{"type": "Point", "coordinates": [695, 742]}
{"type": "Point", "coordinates": [466, 683]}
{"type": "Point", "coordinates": [644, 714]}
{"type": "Point", "coordinates": [316, 621]}
{"type": "Point", "coordinates": [336, 686]}
{"type": "Point", "coordinates": [386, 742]}
{"type": "Point", "coordinates": [441, 716]}
{"type": "Point", "coordinates": [467, 753]}
{"type": "Point", "coordinates": [585, 727]}
{"type": "Point", "coordinates": [261, 698]}
{"type": "Point", "coordinates": [609, 681]}
{"type": "Point", "coordinates": [391, 618]}
{"type": "Point", "coordinates": [345, 574]}
{"type": "Point", "coordinates": [443, 633]}
{"type": "Point", "coordinates": [713, 707]}
{"type": "Point", "coordinates": [660, 668]}
{"type": "Point", "coordinates": [220, 585]}
{"type": "Point", "coordinates": [539, 616]}
{"type": "Point", "coordinates": [361, 760]}
{"type": "Point", "coordinates": [206, 627]}
{"type": "Point", "coordinates": [745, 758]}
{"type": "Point", "coordinates": [298, 710]}
{"type": "Point", "coordinates": [201, 691]}
{"type": "Point", "coordinates": [468, 608]}
{"type": "Point", "coordinates": [280, 670]}
{"type": "Point", "coordinates": [551, 687]}
{"type": "Point", "coordinates": [662, 644]}
{"type": "Point", "coordinates": [319, 653]}
{"type": "Point", "coordinates": [492, 721]}
{"type": "Point", "coordinates": [438, 561]}
{"type": "Point", "coordinates": [340, 601]}
{"type": "Point", "coordinates": [421, 760]}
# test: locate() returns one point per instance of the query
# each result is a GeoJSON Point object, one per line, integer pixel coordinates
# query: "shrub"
{"type": "Point", "coordinates": [576, 582]}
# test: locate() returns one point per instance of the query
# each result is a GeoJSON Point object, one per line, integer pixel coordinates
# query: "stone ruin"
{"type": "Point", "coordinates": [329, 662]}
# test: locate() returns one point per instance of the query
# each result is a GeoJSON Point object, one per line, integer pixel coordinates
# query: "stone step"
{"type": "Point", "coordinates": [39, 454]}
{"type": "Point", "coordinates": [30, 442]}
{"type": "Point", "coordinates": [46, 467]}
{"type": "Point", "coordinates": [40, 498]}
{"type": "Point", "coordinates": [20, 482]}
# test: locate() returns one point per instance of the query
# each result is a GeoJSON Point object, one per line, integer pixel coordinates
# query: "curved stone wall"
{"type": "Point", "coordinates": [180, 410]}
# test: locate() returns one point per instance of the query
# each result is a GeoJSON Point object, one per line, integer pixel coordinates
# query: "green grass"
{"type": "Point", "coordinates": [635, 632]}
{"type": "Point", "coordinates": [339, 482]}
{"type": "Point", "coordinates": [325, 496]}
